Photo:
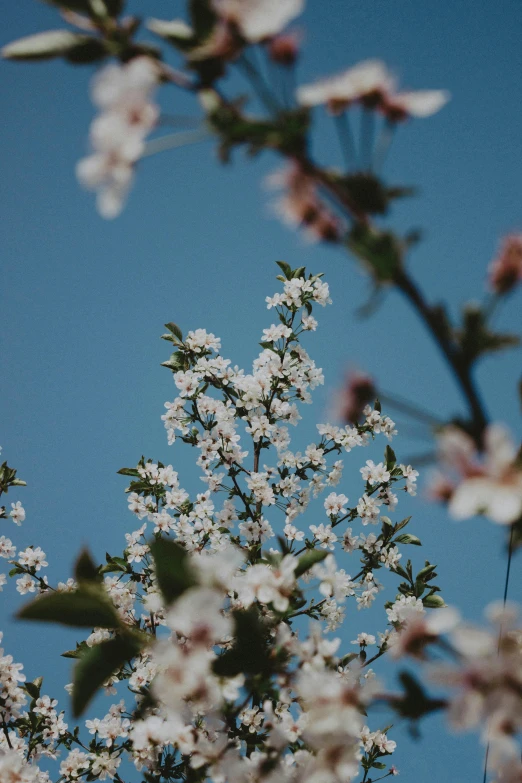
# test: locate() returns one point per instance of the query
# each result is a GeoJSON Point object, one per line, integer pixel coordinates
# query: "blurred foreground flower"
{"type": "Point", "coordinates": [505, 271]}
{"type": "Point", "coordinates": [491, 485]}
{"type": "Point", "coordinates": [123, 93]}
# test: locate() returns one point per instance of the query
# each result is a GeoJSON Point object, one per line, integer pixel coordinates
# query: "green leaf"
{"type": "Point", "coordinates": [378, 765]}
{"type": "Point", "coordinates": [308, 559]}
{"type": "Point", "coordinates": [176, 32]}
{"type": "Point", "coordinates": [77, 653]}
{"type": "Point", "coordinates": [97, 664]}
{"type": "Point", "coordinates": [112, 7]}
{"type": "Point", "coordinates": [249, 654]}
{"type": "Point", "coordinates": [415, 703]}
{"type": "Point", "coordinates": [286, 269]}
{"type": "Point", "coordinates": [176, 331]}
{"type": "Point", "coordinates": [90, 50]}
{"type": "Point", "coordinates": [434, 601]}
{"type": "Point", "coordinates": [176, 361]}
{"type": "Point", "coordinates": [43, 46]}
{"type": "Point", "coordinates": [367, 191]}
{"type": "Point", "coordinates": [86, 569]}
{"type": "Point", "coordinates": [400, 525]}
{"type": "Point", "coordinates": [390, 457]}
{"type": "Point", "coordinates": [172, 567]}
{"type": "Point", "coordinates": [476, 338]}
{"type": "Point", "coordinates": [407, 538]}
{"type": "Point", "coordinates": [128, 472]}
{"type": "Point", "coordinates": [202, 17]}
{"type": "Point", "coordinates": [82, 608]}
{"type": "Point", "coordinates": [426, 571]}
{"type": "Point", "coordinates": [348, 658]}
{"type": "Point", "coordinates": [33, 688]}
{"type": "Point", "coordinates": [379, 250]}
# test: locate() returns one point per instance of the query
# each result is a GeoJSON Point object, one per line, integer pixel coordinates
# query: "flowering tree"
{"type": "Point", "coordinates": [203, 618]}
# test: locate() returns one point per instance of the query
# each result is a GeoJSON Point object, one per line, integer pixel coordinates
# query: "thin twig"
{"type": "Point", "coordinates": [506, 588]}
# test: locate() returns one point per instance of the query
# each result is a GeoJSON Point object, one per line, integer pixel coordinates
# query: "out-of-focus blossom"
{"type": "Point", "coordinates": [486, 684]}
{"type": "Point", "coordinates": [284, 49]}
{"type": "Point", "coordinates": [505, 271]}
{"type": "Point", "coordinates": [123, 93]}
{"type": "Point", "coordinates": [419, 630]}
{"type": "Point", "coordinates": [371, 84]}
{"type": "Point", "coordinates": [357, 391]}
{"type": "Point", "coordinates": [418, 103]}
{"type": "Point", "coordinates": [301, 205]}
{"type": "Point", "coordinates": [489, 485]}
{"type": "Point", "coordinates": [368, 81]}
{"type": "Point", "coordinates": [258, 19]}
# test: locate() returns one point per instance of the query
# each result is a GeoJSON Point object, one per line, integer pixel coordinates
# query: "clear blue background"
{"type": "Point", "coordinates": [84, 300]}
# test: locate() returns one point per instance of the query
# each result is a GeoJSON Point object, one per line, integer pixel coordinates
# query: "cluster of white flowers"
{"type": "Point", "coordinates": [226, 678]}
{"type": "Point", "coordinates": [206, 714]}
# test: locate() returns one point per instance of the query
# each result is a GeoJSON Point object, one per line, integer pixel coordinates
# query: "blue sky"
{"type": "Point", "coordinates": [84, 300]}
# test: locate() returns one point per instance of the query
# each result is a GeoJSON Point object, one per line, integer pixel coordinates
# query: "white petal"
{"type": "Point", "coordinates": [259, 19]}
{"type": "Point", "coordinates": [505, 504]}
{"type": "Point", "coordinates": [442, 620]}
{"type": "Point", "coordinates": [500, 450]}
{"type": "Point", "coordinates": [470, 498]}
{"type": "Point", "coordinates": [422, 103]}
{"type": "Point", "coordinates": [473, 642]}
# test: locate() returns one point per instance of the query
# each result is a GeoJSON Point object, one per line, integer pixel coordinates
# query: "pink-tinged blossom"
{"type": "Point", "coordinates": [301, 205]}
{"type": "Point", "coordinates": [505, 271]}
{"type": "Point", "coordinates": [489, 484]}
{"type": "Point", "coordinates": [357, 391]}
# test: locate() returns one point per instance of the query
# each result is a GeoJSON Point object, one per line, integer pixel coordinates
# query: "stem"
{"type": "Point", "coordinates": [508, 567]}
{"type": "Point", "coordinates": [173, 140]}
{"type": "Point", "coordinates": [346, 142]}
{"type": "Point", "coordinates": [411, 408]}
{"type": "Point", "coordinates": [4, 727]}
{"type": "Point", "coordinates": [410, 290]}
{"type": "Point", "coordinates": [259, 85]}
{"type": "Point", "coordinates": [367, 138]}
{"type": "Point", "coordinates": [371, 660]}
{"type": "Point", "coordinates": [506, 587]}
{"type": "Point", "coordinates": [451, 353]}
{"type": "Point", "coordinates": [383, 145]}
